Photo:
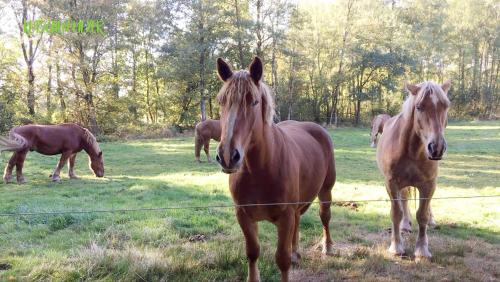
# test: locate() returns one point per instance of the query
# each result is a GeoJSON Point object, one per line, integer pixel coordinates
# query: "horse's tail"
{"type": "Point", "coordinates": [197, 143]}
{"type": "Point", "coordinates": [14, 142]}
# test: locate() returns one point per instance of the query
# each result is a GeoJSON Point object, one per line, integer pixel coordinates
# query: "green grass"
{"type": "Point", "coordinates": [152, 246]}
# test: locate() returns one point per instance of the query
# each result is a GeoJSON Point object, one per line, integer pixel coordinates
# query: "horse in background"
{"type": "Point", "coordinates": [408, 153]}
{"type": "Point", "coordinates": [203, 132]}
{"type": "Point", "coordinates": [65, 139]}
{"type": "Point", "coordinates": [288, 162]}
{"type": "Point", "coordinates": [378, 127]}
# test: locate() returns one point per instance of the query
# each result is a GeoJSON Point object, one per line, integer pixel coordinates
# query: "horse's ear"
{"type": "Point", "coordinates": [224, 70]}
{"type": "Point", "coordinates": [412, 88]}
{"type": "Point", "coordinates": [100, 154]}
{"type": "Point", "coordinates": [256, 70]}
{"type": "Point", "coordinates": [446, 86]}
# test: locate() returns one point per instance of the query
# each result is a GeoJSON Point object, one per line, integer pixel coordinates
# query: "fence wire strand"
{"type": "Point", "coordinates": [195, 207]}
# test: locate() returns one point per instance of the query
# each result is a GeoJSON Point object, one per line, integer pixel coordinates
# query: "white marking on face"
{"type": "Point", "coordinates": [231, 119]}
{"type": "Point", "coordinates": [434, 99]}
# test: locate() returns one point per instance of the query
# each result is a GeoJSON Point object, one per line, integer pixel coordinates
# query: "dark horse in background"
{"type": "Point", "coordinates": [289, 162]}
{"type": "Point", "coordinates": [203, 132]}
{"type": "Point", "coordinates": [65, 139]}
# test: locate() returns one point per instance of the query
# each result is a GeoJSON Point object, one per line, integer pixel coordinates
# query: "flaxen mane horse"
{"type": "Point", "coordinates": [203, 132]}
{"type": "Point", "coordinates": [408, 153]}
{"type": "Point", "coordinates": [269, 163]}
{"type": "Point", "coordinates": [377, 128]}
{"type": "Point", "coordinates": [66, 139]}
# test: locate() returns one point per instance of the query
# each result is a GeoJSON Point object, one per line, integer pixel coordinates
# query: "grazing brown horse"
{"type": "Point", "coordinates": [408, 154]}
{"type": "Point", "coordinates": [269, 163]}
{"type": "Point", "coordinates": [378, 127]}
{"type": "Point", "coordinates": [203, 132]}
{"type": "Point", "coordinates": [66, 139]}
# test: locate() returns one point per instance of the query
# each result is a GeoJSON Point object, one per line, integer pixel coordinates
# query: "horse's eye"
{"type": "Point", "coordinates": [255, 103]}
{"type": "Point", "coordinates": [419, 108]}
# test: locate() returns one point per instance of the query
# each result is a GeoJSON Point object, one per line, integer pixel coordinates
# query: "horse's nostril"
{"type": "Point", "coordinates": [236, 156]}
{"type": "Point", "coordinates": [430, 147]}
{"type": "Point", "coordinates": [217, 158]}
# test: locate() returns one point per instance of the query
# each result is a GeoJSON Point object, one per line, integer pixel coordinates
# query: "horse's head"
{"type": "Point", "coordinates": [97, 164]}
{"type": "Point", "coordinates": [245, 106]}
{"type": "Point", "coordinates": [429, 104]}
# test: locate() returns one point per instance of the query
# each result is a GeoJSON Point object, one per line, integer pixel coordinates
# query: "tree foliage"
{"type": "Point", "coordinates": [339, 62]}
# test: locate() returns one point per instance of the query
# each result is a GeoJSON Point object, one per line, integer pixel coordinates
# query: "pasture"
{"type": "Point", "coordinates": [207, 245]}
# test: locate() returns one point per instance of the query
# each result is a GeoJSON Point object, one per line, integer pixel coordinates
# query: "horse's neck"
{"type": "Point", "coordinates": [264, 149]}
{"type": "Point", "coordinates": [409, 141]}
{"type": "Point", "coordinates": [87, 146]}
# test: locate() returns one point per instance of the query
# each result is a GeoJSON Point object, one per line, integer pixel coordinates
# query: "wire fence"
{"type": "Point", "coordinates": [195, 207]}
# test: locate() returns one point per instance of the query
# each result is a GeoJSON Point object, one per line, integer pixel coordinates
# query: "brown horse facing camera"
{"type": "Point", "coordinates": [377, 128]}
{"type": "Point", "coordinates": [66, 139]}
{"type": "Point", "coordinates": [203, 132]}
{"type": "Point", "coordinates": [408, 154]}
{"type": "Point", "coordinates": [269, 163]}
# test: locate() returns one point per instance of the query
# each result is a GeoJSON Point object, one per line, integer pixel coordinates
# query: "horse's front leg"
{"type": "Point", "coordinates": [396, 247]}
{"type": "Point", "coordinates": [426, 191]}
{"type": "Point", "coordinates": [286, 225]}
{"type": "Point", "coordinates": [249, 228]}
{"type": "Point", "coordinates": [21, 156]}
{"type": "Point", "coordinates": [55, 175]}
{"type": "Point", "coordinates": [406, 223]}
{"type": "Point", "coordinates": [7, 174]}
{"type": "Point", "coordinates": [71, 167]}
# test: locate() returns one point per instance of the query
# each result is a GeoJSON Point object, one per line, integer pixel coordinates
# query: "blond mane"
{"type": "Point", "coordinates": [426, 88]}
{"type": "Point", "coordinates": [90, 138]}
{"type": "Point", "coordinates": [240, 83]}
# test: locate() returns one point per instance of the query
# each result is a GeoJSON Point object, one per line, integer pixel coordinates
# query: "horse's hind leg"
{"type": "Point", "coordinates": [71, 167]}
{"type": "Point", "coordinates": [325, 197]}
{"type": "Point", "coordinates": [197, 148]}
{"type": "Point", "coordinates": [406, 223]}
{"type": "Point", "coordinates": [422, 248]}
{"type": "Point", "coordinates": [206, 148]}
{"type": "Point", "coordinates": [7, 174]}
{"type": "Point", "coordinates": [295, 240]}
{"type": "Point", "coordinates": [55, 175]}
{"type": "Point", "coordinates": [21, 156]}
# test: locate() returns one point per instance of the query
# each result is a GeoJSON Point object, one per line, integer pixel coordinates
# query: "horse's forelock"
{"type": "Point", "coordinates": [241, 83]}
{"type": "Point", "coordinates": [426, 88]}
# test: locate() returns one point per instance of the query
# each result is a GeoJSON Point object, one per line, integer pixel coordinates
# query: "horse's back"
{"type": "Point", "coordinates": [207, 129]}
{"type": "Point", "coordinates": [51, 139]}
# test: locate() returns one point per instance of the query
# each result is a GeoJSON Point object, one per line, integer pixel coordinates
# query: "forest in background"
{"type": "Point", "coordinates": [332, 62]}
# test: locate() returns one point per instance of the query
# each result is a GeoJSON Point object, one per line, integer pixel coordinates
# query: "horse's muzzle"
{"type": "Point", "coordinates": [234, 162]}
{"type": "Point", "coordinates": [436, 150]}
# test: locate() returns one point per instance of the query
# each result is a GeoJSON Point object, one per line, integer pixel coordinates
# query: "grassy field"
{"type": "Point", "coordinates": [207, 245]}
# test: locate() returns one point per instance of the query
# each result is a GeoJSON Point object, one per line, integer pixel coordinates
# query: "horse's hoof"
{"type": "Point", "coordinates": [397, 250]}
{"type": "Point", "coordinates": [21, 180]}
{"type": "Point", "coordinates": [56, 179]}
{"type": "Point", "coordinates": [7, 180]}
{"type": "Point", "coordinates": [327, 249]}
{"type": "Point", "coordinates": [373, 145]}
{"type": "Point", "coordinates": [74, 177]}
{"type": "Point", "coordinates": [296, 257]}
{"type": "Point", "coordinates": [421, 259]}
